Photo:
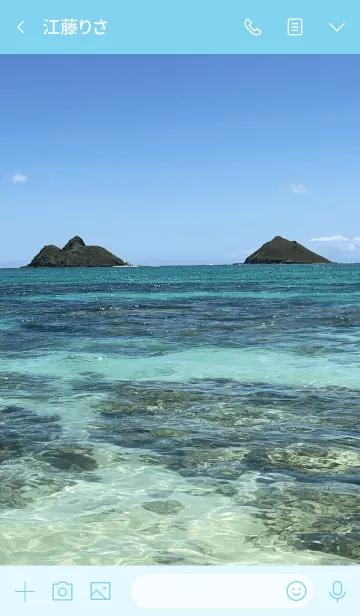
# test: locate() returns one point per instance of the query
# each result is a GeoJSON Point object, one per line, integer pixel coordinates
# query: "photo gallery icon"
{"type": "Point", "coordinates": [100, 591]}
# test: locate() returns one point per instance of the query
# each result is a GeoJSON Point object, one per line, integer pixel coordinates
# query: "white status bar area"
{"type": "Point", "coordinates": [128, 591]}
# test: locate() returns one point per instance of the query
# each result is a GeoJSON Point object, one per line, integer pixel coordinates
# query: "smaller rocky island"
{"type": "Point", "coordinates": [75, 254]}
{"type": "Point", "coordinates": [280, 250]}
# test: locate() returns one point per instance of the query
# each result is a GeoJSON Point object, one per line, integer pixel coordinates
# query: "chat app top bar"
{"type": "Point", "coordinates": [181, 27]}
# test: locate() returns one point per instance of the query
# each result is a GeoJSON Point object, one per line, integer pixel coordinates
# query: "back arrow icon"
{"type": "Point", "coordinates": [336, 29]}
{"type": "Point", "coordinates": [19, 27]}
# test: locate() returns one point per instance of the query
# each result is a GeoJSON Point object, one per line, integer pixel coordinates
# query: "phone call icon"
{"type": "Point", "coordinates": [254, 31]}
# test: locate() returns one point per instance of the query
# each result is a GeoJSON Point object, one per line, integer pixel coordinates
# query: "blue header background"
{"type": "Point", "coordinates": [184, 27]}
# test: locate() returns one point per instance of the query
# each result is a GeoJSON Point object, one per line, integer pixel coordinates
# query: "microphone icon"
{"type": "Point", "coordinates": [337, 591]}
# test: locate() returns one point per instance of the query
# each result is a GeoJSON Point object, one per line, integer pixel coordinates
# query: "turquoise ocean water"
{"type": "Point", "coordinates": [180, 415]}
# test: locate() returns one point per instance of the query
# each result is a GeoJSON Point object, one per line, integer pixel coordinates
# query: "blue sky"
{"type": "Point", "coordinates": [180, 159]}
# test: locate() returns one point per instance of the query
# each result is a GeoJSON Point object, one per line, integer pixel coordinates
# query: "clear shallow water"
{"type": "Point", "coordinates": [189, 415]}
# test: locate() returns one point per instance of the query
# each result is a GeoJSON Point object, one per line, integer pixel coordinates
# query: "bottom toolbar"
{"type": "Point", "coordinates": [134, 590]}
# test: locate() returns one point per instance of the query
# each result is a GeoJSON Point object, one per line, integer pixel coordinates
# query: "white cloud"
{"type": "Point", "coordinates": [299, 189]}
{"type": "Point", "coordinates": [332, 239]}
{"type": "Point", "coordinates": [19, 177]}
{"type": "Point", "coordinates": [338, 241]}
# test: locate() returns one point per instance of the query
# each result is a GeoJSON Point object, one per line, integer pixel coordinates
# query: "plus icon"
{"type": "Point", "coordinates": [25, 592]}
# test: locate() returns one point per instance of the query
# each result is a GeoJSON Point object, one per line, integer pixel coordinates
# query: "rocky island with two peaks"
{"type": "Point", "coordinates": [280, 250]}
{"type": "Point", "coordinates": [75, 254]}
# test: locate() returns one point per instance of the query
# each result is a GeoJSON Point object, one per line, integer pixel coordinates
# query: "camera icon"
{"type": "Point", "coordinates": [62, 591]}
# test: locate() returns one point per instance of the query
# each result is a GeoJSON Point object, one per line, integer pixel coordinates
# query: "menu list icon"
{"type": "Point", "coordinates": [295, 26]}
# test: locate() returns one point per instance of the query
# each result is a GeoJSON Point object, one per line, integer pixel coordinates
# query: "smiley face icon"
{"type": "Point", "coordinates": [296, 591]}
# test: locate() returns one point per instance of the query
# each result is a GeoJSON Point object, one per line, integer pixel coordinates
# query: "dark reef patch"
{"type": "Point", "coordinates": [36, 458]}
{"type": "Point", "coordinates": [68, 458]}
{"type": "Point", "coordinates": [164, 507]}
{"type": "Point", "coordinates": [301, 445]}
